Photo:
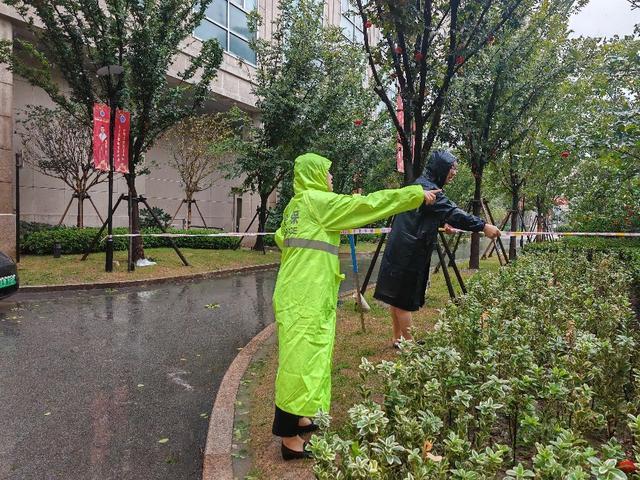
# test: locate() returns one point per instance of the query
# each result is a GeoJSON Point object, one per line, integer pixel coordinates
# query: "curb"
{"type": "Point", "coordinates": [141, 282]}
{"type": "Point", "coordinates": [218, 463]}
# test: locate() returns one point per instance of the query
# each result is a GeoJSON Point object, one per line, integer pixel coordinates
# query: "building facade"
{"type": "Point", "coordinates": [44, 199]}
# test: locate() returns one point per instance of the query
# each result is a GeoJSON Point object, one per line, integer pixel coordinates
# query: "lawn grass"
{"type": "Point", "coordinates": [351, 345]}
{"type": "Point", "coordinates": [68, 269]}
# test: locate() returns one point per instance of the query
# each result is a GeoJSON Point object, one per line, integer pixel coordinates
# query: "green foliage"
{"type": "Point", "coordinates": [312, 95]}
{"type": "Point", "coordinates": [596, 123]}
{"type": "Point", "coordinates": [534, 373]}
{"type": "Point", "coordinates": [147, 220]}
{"type": "Point", "coordinates": [27, 228]}
{"type": "Point", "coordinates": [627, 250]}
{"type": "Point", "coordinates": [78, 240]}
{"type": "Point", "coordinates": [422, 46]}
{"type": "Point", "coordinates": [504, 89]}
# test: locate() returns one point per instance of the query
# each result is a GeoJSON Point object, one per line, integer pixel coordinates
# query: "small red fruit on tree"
{"type": "Point", "coordinates": [368, 24]}
{"type": "Point", "coordinates": [398, 50]}
{"type": "Point", "coordinates": [418, 56]}
{"type": "Point", "coordinates": [565, 154]}
{"type": "Point", "coordinates": [357, 122]}
{"type": "Point", "coordinates": [491, 39]}
{"type": "Point", "coordinates": [459, 60]}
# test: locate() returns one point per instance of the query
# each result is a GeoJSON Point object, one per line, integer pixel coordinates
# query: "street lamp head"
{"type": "Point", "coordinates": [110, 70]}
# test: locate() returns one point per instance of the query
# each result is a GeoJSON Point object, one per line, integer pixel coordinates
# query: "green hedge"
{"type": "Point", "coordinates": [29, 228]}
{"type": "Point", "coordinates": [625, 249]}
{"type": "Point", "coordinates": [533, 374]}
{"type": "Point", "coordinates": [600, 244]}
{"type": "Point", "coordinates": [77, 240]}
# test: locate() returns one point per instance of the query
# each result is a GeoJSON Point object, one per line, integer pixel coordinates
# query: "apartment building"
{"type": "Point", "coordinates": [44, 199]}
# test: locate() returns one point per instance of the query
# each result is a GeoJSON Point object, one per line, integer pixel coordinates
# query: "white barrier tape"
{"type": "Point", "coordinates": [556, 234]}
{"type": "Point", "coordinates": [379, 231]}
{"type": "Point", "coordinates": [179, 235]}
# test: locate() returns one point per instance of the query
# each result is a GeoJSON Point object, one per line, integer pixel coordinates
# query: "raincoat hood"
{"type": "Point", "coordinates": [438, 166]}
{"type": "Point", "coordinates": [310, 173]}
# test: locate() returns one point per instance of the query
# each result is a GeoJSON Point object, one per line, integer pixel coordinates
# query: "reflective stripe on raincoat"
{"type": "Point", "coordinates": [306, 291]}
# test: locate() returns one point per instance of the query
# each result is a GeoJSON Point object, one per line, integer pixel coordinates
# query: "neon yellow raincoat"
{"type": "Point", "coordinates": [306, 291]}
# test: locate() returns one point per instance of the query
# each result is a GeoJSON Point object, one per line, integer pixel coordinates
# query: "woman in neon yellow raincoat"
{"type": "Point", "coordinates": [306, 291]}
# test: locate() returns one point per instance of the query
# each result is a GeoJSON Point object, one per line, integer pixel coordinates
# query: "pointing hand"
{"type": "Point", "coordinates": [430, 196]}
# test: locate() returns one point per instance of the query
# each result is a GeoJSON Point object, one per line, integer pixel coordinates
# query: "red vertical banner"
{"type": "Point", "coordinates": [400, 115]}
{"type": "Point", "coordinates": [121, 142]}
{"type": "Point", "coordinates": [101, 117]}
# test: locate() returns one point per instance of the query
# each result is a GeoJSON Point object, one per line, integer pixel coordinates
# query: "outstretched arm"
{"type": "Point", "coordinates": [339, 212]}
{"type": "Point", "coordinates": [449, 212]}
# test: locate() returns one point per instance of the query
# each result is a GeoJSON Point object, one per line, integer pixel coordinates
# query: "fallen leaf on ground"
{"type": "Point", "coordinates": [163, 440]}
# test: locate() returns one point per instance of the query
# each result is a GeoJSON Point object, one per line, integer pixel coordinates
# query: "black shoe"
{"type": "Point", "coordinates": [288, 454]}
{"type": "Point", "coordinates": [312, 427]}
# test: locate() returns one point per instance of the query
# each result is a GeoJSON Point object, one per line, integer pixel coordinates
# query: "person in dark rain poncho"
{"type": "Point", "coordinates": [404, 269]}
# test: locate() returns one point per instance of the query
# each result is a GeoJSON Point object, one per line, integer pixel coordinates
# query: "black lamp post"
{"type": "Point", "coordinates": [110, 71]}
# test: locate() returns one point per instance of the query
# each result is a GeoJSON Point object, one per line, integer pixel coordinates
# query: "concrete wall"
{"type": "Point", "coordinates": [7, 212]}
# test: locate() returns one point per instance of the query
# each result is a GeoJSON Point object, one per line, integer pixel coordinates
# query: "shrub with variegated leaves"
{"type": "Point", "coordinates": [533, 374]}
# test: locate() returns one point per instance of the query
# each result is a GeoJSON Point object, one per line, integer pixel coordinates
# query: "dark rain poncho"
{"type": "Point", "coordinates": [404, 269]}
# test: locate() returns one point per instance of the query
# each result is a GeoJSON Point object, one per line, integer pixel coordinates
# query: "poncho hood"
{"type": "Point", "coordinates": [310, 173]}
{"type": "Point", "coordinates": [438, 166]}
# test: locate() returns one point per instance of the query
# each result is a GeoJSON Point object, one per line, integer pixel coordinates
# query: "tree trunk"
{"type": "Point", "coordinates": [474, 255]}
{"type": "Point", "coordinates": [523, 227]}
{"type": "Point", "coordinates": [539, 226]}
{"type": "Point", "coordinates": [189, 203]}
{"type": "Point", "coordinates": [80, 221]}
{"type": "Point", "coordinates": [262, 222]}
{"type": "Point", "coordinates": [138, 246]}
{"type": "Point", "coordinates": [515, 214]}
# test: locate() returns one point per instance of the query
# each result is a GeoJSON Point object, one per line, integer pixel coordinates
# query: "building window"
{"type": "Point", "coordinates": [351, 23]}
{"type": "Point", "coordinates": [226, 21]}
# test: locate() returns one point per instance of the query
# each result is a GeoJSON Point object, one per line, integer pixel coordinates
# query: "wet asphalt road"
{"type": "Point", "coordinates": [91, 382]}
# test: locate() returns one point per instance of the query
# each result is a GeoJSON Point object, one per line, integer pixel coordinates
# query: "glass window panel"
{"type": "Point", "coordinates": [357, 21]}
{"type": "Point", "coordinates": [208, 30]}
{"type": "Point", "coordinates": [345, 6]}
{"type": "Point", "coordinates": [347, 28]}
{"type": "Point", "coordinates": [217, 12]}
{"type": "Point", "coordinates": [238, 22]}
{"type": "Point", "coordinates": [242, 49]}
{"type": "Point", "coordinates": [250, 5]}
{"type": "Point", "coordinates": [237, 2]}
{"type": "Point", "coordinates": [359, 37]}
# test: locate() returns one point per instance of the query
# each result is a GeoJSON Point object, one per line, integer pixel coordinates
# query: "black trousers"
{"type": "Point", "coordinates": [285, 424]}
